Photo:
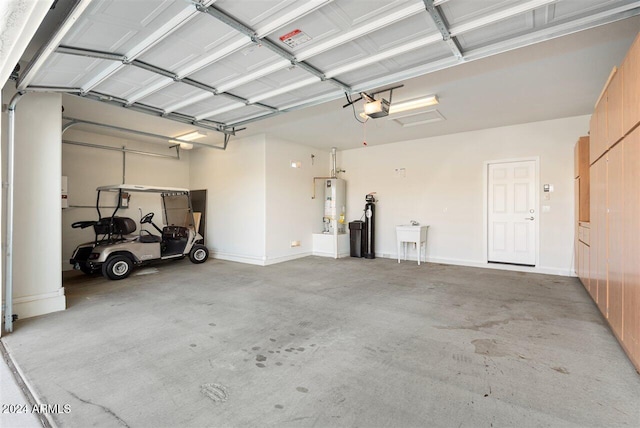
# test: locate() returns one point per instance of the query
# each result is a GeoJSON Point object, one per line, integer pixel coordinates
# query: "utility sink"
{"type": "Point", "coordinates": [408, 233]}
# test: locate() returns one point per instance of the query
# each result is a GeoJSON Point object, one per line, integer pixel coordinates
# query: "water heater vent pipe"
{"type": "Point", "coordinates": [333, 162]}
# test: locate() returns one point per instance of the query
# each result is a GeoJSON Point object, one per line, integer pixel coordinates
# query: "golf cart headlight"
{"type": "Point", "coordinates": [94, 256]}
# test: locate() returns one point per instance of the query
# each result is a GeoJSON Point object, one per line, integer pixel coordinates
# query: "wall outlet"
{"type": "Point", "coordinates": [295, 244]}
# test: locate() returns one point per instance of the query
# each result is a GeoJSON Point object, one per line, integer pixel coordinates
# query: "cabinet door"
{"type": "Point", "coordinates": [614, 109]}
{"type": "Point", "coordinates": [576, 228]}
{"type": "Point", "coordinates": [631, 86]}
{"type": "Point", "coordinates": [585, 278]}
{"type": "Point", "coordinates": [598, 262]}
{"type": "Point", "coordinates": [576, 160]}
{"type": "Point", "coordinates": [598, 139]}
{"type": "Point", "coordinates": [615, 237]}
{"type": "Point", "coordinates": [593, 136]}
{"type": "Point", "coordinates": [584, 265]}
{"type": "Point", "coordinates": [631, 226]}
{"type": "Point", "coordinates": [582, 171]}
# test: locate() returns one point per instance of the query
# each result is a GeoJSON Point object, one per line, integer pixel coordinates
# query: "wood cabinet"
{"type": "Point", "coordinates": [612, 243]}
{"type": "Point", "coordinates": [631, 88]}
{"type": "Point", "coordinates": [630, 224]}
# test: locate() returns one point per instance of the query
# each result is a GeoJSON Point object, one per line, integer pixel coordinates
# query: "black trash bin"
{"type": "Point", "coordinates": [356, 243]}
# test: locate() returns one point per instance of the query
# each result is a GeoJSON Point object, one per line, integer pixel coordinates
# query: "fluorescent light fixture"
{"type": "Point", "coordinates": [193, 135]}
{"type": "Point", "coordinates": [188, 137]}
{"type": "Point", "coordinates": [378, 109]}
{"type": "Point", "coordinates": [431, 100]}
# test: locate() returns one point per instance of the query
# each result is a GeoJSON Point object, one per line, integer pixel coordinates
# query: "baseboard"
{"type": "Point", "coordinates": [275, 260]}
{"type": "Point", "coordinates": [251, 260]}
{"type": "Point", "coordinates": [259, 261]}
{"type": "Point", "coordinates": [39, 304]}
{"type": "Point", "coordinates": [473, 263]}
{"type": "Point", "coordinates": [329, 254]}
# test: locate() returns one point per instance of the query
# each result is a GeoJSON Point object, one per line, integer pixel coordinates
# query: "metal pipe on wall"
{"type": "Point", "coordinates": [118, 149]}
{"type": "Point", "coordinates": [333, 162]}
{"type": "Point", "coordinates": [11, 128]}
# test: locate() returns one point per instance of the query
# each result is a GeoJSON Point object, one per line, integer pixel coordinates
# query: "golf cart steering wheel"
{"type": "Point", "coordinates": [148, 218]}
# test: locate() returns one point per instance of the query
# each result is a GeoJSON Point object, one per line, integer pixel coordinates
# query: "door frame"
{"type": "Point", "coordinates": [485, 205]}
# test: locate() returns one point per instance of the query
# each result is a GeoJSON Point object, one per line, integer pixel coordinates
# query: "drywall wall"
{"type": "Point", "coordinates": [439, 181]}
{"type": "Point", "coordinates": [37, 284]}
{"type": "Point", "coordinates": [291, 213]}
{"type": "Point", "coordinates": [235, 183]}
{"type": "Point", "coordinates": [87, 168]}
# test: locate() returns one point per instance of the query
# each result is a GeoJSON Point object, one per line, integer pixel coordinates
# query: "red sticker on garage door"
{"type": "Point", "coordinates": [295, 38]}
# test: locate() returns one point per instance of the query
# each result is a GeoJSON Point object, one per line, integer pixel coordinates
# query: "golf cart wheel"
{"type": "Point", "coordinates": [86, 269]}
{"type": "Point", "coordinates": [198, 254]}
{"type": "Point", "coordinates": [117, 267]}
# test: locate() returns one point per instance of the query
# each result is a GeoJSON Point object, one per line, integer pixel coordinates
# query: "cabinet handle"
{"type": "Point", "coordinates": [529, 218]}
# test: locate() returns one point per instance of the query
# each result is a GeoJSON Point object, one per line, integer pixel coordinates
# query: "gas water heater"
{"type": "Point", "coordinates": [369, 227]}
{"type": "Point", "coordinates": [334, 206]}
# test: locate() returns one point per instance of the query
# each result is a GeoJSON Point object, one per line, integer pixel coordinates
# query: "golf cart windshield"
{"type": "Point", "coordinates": [177, 210]}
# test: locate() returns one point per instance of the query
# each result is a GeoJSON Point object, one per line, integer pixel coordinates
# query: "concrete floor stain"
{"type": "Point", "coordinates": [216, 392]}
{"type": "Point", "coordinates": [488, 347]}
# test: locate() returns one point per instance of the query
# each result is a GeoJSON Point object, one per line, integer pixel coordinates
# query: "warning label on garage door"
{"type": "Point", "coordinates": [295, 38]}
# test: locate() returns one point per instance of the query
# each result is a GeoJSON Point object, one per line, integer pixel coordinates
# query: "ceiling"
{"type": "Point", "coordinates": [284, 66]}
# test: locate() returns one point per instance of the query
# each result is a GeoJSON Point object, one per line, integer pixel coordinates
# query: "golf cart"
{"type": "Point", "coordinates": [115, 249]}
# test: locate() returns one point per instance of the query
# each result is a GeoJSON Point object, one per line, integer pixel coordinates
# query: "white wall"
{"type": "Point", "coordinates": [37, 284]}
{"type": "Point", "coordinates": [235, 180]}
{"type": "Point", "coordinates": [291, 213]}
{"type": "Point", "coordinates": [87, 168]}
{"type": "Point", "coordinates": [443, 188]}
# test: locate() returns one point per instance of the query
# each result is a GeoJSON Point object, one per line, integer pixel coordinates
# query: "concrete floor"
{"type": "Point", "coordinates": [319, 342]}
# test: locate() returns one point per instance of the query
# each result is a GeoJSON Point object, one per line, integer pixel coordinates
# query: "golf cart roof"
{"type": "Point", "coordinates": [139, 188]}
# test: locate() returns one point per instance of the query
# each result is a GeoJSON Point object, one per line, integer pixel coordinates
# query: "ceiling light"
{"type": "Point", "coordinates": [192, 135]}
{"type": "Point", "coordinates": [188, 137]}
{"type": "Point", "coordinates": [381, 108]}
{"type": "Point", "coordinates": [413, 104]}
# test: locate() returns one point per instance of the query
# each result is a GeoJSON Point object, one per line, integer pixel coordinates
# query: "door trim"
{"type": "Point", "coordinates": [485, 204]}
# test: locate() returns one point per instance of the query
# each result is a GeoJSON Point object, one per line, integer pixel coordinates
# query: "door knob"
{"type": "Point", "coordinates": [529, 218]}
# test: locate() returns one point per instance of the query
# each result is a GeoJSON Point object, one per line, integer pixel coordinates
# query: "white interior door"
{"type": "Point", "coordinates": [511, 213]}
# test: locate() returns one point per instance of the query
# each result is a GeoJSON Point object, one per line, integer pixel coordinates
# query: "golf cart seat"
{"type": "Point", "coordinates": [114, 225]}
